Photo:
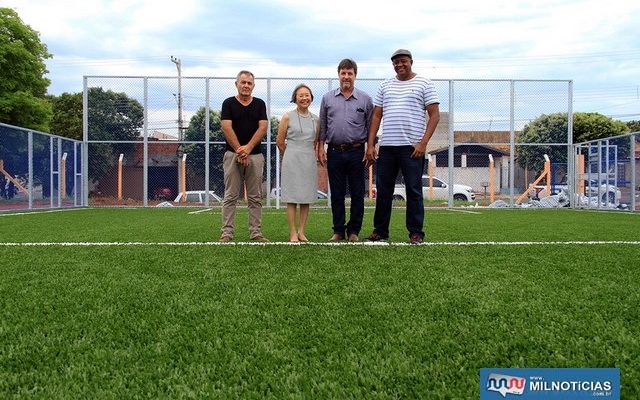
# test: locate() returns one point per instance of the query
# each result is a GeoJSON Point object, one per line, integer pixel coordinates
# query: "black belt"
{"type": "Point", "coordinates": [345, 146]}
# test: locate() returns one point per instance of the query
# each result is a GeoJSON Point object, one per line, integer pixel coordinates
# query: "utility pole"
{"type": "Point", "coordinates": [178, 64]}
{"type": "Point", "coordinates": [181, 183]}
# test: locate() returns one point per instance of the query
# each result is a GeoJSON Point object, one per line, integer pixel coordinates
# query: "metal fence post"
{"type": "Point", "coordinates": [207, 134]}
{"type": "Point", "coordinates": [59, 162]}
{"type": "Point", "coordinates": [85, 143]}
{"type": "Point", "coordinates": [571, 158]}
{"type": "Point", "coordinates": [30, 167]}
{"type": "Point", "coordinates": [51, 172]}
{"type": "Point", "coordinates": [145, 143]}
{"type": "Point", "coordinates": [512, 143]}
{"type": "Point", "coordinates": [269, 138]}
{"type": "Point", "coordinates": [634, 183]}
{"type": "Point", "coordinates": [451, 140]}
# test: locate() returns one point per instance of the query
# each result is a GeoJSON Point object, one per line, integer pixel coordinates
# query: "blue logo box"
{"type": "Point", "coordinates": [549, 383]}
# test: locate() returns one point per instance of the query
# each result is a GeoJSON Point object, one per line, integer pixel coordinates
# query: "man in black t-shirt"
{"type": "Point", "coordinates": [244, 123]}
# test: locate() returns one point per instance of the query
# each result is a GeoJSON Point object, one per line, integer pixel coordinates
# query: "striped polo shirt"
{"type": "Point", "coordinates": [404, 103]}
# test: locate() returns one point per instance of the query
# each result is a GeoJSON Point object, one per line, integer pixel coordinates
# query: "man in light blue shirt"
{"type": "Point", "coordinates": [345, 116]}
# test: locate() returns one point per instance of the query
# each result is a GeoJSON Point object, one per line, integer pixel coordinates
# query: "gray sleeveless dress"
{"type": "Point", "coordinates": [299, 169]}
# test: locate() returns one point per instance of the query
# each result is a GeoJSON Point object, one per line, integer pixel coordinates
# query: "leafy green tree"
{"type": "Point", "coordinates": [274, 128]}
{"type": "Point", "coordinates": [195, 159]}
{"type": "Point", "coordinates": [634, 126]}
{"type": "Point", "coordinates": [552, 128]}
{"type": "Point", "coordinates": [67, 115]}
{"type": "Point", "coordinates": [23, 90]}
{"type": "Point", "coordinates": [22, 68]}
{"type": "Point", "coordinates": [274, 134]}
{"type": "Point", "coordinates": [195, 152]}
{"type": "Point", "coordinates": [195, 130]}
{"type": "Point", "coordinates": [111, 116]}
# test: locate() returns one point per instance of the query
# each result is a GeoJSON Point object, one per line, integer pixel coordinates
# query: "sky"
{"type": "Point", "coordinates": [595, 44]}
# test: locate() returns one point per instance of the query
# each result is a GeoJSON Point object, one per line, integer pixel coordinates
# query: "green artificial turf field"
{"type": "Point", "coordinates": [144, 303]}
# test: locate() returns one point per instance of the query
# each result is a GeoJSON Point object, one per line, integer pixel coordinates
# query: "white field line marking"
{"type": "Point", "coordinates": [204, 244]}
{"type": "Point", "coordinates": [626, 212]}
{"type": "Point", "coordinates": [464, 211]}
{"type": "Point", "coordinates": [200, 211]}
{"type": "Point", "coordinates": [218, 210]}
{"type": "Point", "coordinates": [11, 214]}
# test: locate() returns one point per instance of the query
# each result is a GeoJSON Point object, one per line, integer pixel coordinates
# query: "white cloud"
{"type": "Point", "coordinates": [585, 40]}
{"type": "Point", "coordinates": [122, 26]}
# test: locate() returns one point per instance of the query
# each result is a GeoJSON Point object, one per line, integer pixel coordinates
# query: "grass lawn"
{"type": "Point", "coordinates": [204, 320]}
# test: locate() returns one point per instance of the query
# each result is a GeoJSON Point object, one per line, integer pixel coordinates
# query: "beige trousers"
{"type": "Point", "coordinates": [236, 177]}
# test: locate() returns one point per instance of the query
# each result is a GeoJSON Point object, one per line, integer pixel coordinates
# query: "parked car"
{"type": "Point", "coordinates": [440, 190]}
{"type": "Point", "coordinates": [609, 193]}
{"type": "Point", "coordinates": [275, 193]}
{"type": "Point", "coordinates": [198, 197]}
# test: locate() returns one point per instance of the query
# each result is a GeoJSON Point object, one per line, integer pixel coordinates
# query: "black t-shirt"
{"type": "Point", "coordinates": [244, 119]}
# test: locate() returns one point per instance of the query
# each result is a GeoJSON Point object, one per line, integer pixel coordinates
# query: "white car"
{"type": "Point", "coordinates": [440, 190]}
{"type": "Point", "coordinates": [198, 197]}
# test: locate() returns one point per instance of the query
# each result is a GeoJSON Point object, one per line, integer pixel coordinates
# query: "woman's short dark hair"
{"type": "Point", "coordinates": [348, 63]}
{"type": "Point", "coordinates": [295, 91]}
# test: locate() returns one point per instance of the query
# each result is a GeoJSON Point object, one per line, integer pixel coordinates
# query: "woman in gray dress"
{"type": "Point", "coordinates": [296, 138]}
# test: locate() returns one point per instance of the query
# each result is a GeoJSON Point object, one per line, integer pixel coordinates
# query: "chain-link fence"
{"type": "Point", "coordinates": [606, 173]}
{"type": "Point", "coordinates": [158, 139]}
{"type": "Point", "coordinates": [155, 141]}
{"type": "Point", "coordinates": [39, 170]}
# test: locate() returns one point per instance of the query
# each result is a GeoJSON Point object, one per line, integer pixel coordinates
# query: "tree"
{"type": "Point", "coordinates": [67, 115]}
{"type": "Point", "coordinates": [111, 116]}
{"type": "Point", "coordinates": [22, 68]}
{"type": "Point", "coordinates": [552, 128]}
{"type": "Point", "coordinates": [274, 128]}
{"type": "Point", "coordinates": [195, 152]}
{"type": "Point", "coordinates": [274, 134]}
{"type": "Point", "coordinates": [195, 130]}
{"type": "Point", "coordinates": [195, 159]}
{"type": "Point", "coordinates": [634, 126]}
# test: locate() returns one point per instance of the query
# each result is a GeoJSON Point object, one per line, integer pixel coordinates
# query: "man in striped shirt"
{"type": "Point", "coordinates": [406, 130]}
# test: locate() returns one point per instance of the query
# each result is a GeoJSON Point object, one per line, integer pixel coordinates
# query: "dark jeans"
{"type": "Point", "coordinates": [392, 159]}
{"type": "Point", "coordinates": [346, 167]}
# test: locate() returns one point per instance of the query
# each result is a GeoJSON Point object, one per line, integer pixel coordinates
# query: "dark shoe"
{"type": "Point", "coordinates": [336, 237]}
{"type": "Point", "coordinates": [353, 237]}
{"type": "Point", "coordinates": [259, 238]}
{"type": "Point", "coordinates": [225, 238]}
{"type": "Point", "coordinates": [374, 237]}
{"type": "Point", "coordinates": [416, 239]}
